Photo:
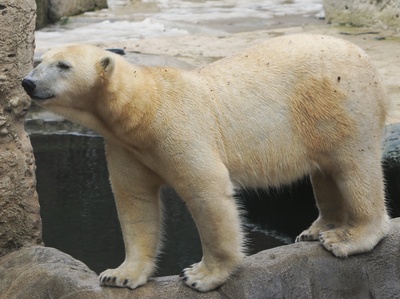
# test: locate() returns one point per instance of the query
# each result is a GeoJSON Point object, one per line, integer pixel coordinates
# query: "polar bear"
{"type": "Point", "coordinates": [292, 106]}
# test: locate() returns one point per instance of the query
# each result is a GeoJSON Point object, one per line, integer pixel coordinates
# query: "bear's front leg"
{"type": "Point", "coordinates": [211, 203]}
{"type": "Point", "coordinates": [136, 191]}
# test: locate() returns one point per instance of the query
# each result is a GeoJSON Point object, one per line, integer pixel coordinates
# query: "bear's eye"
{"type": "Point", "coordinates": [63, 65]}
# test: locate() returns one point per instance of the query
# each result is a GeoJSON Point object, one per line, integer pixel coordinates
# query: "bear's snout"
{"type": "Point", "coordinates": [29, 86]}
{"type": "Point", "coordinates": [36, 90]}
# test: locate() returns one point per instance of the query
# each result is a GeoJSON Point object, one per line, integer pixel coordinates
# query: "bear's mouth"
{"type": "Point", "coordinates": [41, 98]}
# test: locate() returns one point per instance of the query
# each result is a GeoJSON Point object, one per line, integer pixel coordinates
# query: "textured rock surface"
{"type": "Point", "coordinates": [372, 13]}
{"type": "Point", "coordinates": [302, 270]}
{"type": "Point", "coordinates": [62, 8]}
{"type": "Point", "coordinates": [20, 222]}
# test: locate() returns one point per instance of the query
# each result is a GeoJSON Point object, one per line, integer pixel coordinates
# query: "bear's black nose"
{"type": "Point", "coordinates": [28, 85]}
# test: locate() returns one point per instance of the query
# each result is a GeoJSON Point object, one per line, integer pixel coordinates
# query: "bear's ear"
{"type": "Point", "coordinates": [106, 65]}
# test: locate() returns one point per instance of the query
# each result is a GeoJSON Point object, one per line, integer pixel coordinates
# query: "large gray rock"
{"type": "Point", "coordinates": [63, 8]}
{"type": "Point", "coordinates": [43, 272]}
{"type": "Point", "coordinates": [20, 222]}
{"type": "Point", "coordinates": [371, 13]}
{"type": "Point", "coordinates": [301, 270]}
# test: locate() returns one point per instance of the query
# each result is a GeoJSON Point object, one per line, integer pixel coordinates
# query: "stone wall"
{"type": "Point", "coordinates": [20, 222]}
{"type": "Point", "coordinates": [371, 13]}
{"type": "Point", "coordinates": [50, 11]}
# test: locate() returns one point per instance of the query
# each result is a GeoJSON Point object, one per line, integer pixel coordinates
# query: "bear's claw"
{"type": "Point", "coordinates": [306, 235]}
{"type": "Point", "coordinates": [202, 278]}
{"type": "Point", "coordinates": [126, 276]}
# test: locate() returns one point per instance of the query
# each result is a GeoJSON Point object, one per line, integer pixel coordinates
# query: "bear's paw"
{"type": "Point", "coordinates": [204, 278]}
{"type": "Point", "coordinates": [313, 232]}
{"type": "Point", "coordinates": [308, 235]}
{"type": "Point", "coordinates": [127, 275]}
{"type": "Point", "coordinates": [347, 240]}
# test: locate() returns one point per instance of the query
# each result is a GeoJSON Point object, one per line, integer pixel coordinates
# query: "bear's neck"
{"type": "Point", "coordinates": [130, 101]}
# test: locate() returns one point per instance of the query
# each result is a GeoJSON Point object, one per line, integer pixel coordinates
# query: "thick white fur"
{"type": "Point", "coordinates": [293, 106]}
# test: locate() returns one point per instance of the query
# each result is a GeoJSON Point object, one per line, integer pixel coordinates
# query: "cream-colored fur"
{"type": "Point", "coordinates": [293, 106]}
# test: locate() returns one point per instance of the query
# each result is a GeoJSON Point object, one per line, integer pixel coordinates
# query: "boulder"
{"type": "Point", "coordinates": [371, 13]}
{"type": "Point", "coordinates": [43, 272]}
{"type": "Point", "coordinates": [62, 8]}
{"type": "Point", "coordinates": [301, 270]}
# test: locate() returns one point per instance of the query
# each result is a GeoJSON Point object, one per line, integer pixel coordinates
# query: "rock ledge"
{"type": "Point", "coordinates": [302, 270]}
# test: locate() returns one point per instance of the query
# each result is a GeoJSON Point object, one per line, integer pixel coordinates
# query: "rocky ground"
{"type": "Point", "coordinates": [301, 270]}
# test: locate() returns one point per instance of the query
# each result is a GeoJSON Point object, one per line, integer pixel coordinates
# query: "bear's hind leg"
{"type": "Point", "coordinates": [331, 206]}
{"type": "Point", "coordinates": [358, 176]}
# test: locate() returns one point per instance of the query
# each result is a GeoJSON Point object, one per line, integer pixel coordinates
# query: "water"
{"type": "Point", "coordinates": [129, 20]}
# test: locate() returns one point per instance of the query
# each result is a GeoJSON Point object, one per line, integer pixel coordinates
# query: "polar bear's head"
{"type": "Point", "coordinates": [69, 76]}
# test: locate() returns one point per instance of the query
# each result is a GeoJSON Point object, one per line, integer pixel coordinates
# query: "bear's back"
{"type": "Point", "coordinates": [288, 99]}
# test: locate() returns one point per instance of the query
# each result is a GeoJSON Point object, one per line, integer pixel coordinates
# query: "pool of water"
{"type": "Point", "coordinates": [131, 20]}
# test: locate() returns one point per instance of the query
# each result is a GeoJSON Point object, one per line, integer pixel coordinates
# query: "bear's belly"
{"type": "Point", "coordinates": [268, 166]}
